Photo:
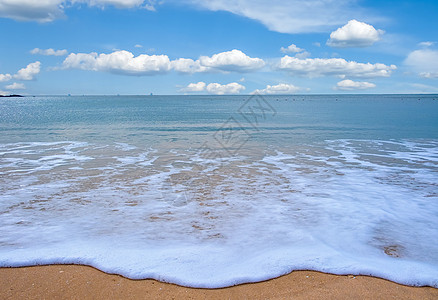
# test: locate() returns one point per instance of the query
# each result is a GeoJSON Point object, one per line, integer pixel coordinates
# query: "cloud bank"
{"type": "Point", "coordinates": [119, 62]}
{"type": "Point", "coordinates": [124, 62]}
{"type": "Point", "coordinates": [316, 67]}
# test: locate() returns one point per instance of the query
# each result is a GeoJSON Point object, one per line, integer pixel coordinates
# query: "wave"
{"type": "Point", "coordinates": [188, 217]}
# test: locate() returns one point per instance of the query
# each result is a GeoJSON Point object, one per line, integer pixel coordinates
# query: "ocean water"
{"type": "Point", "coordinates": [213, 191]}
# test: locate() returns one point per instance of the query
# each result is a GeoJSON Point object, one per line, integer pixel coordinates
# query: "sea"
{"type": "Point", "coordinates": [214, 191]}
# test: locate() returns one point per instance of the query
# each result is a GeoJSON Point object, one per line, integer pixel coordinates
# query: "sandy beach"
{"type": "Point", "coordinates": [83, 282]}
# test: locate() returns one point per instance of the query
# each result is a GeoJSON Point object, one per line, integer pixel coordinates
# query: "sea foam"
{"type": "Point", "coordinates": [366, 207]}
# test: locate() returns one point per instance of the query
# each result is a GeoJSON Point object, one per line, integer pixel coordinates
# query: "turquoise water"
{"type": "Point", "coordinates": [211, 191]}
{"type": "Point", "coordinates": [302, 118]}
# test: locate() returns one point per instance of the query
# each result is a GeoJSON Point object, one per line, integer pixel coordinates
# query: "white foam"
{"type": "Point", "coordinates": [343, 207]}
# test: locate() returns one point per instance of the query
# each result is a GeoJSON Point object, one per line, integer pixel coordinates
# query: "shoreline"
{"type": "Point", "coordinates": [84, 282]}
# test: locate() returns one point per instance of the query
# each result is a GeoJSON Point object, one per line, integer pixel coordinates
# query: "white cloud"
{"type": "Point", "coordinates": [299, 53]}
{"type": "Point", "coordinates": [426, 44]}
{"type": "Point", "coordinates": [291, 49]}
{"type": "Point", "coordinates": [194, 87]}
{"type": "Point", "coordinates": [350, 85]}
{"type": "Point", "coordinates": [291, 16]}
{"type": "Point", "coordinates": [49, 10]}
{"type": "Point", "coordinates": [315, 67]}
{"type": "Point", "coordinates": [3, 93]}
{"type": "Point", "coordinates": [354, 34]}
{"type": "Point", "coordinates": [124, 62]}
{"type": "Point", "coordinates": [138, 46]}
{"type": "Point", "coordinates": [279, 89]}
{"type": "Point", "coordinates": [429, 74]}
{"type": "Point", "coordinates": [214, 88]}
{"type": "Point", "coordinates": [49, 52]}
{"type": "Point", "coordinates": [232, 61]}
{"type": "Point", "coordinates": [424, 62]}
{"type": "Point", "coordinates": [5, 77]}
{"type": "Point", "coordinates": [219, 89]}
{"type": "Point", "coordinates": [15, 86]}
{"type": "Point", "coordinates": [115, 3]}
{"type": "Point", "coordinates": [187, 65]}
{"type": "Point", "coordinates": [302, 55]}
{"type": "Point", "coordinates": [26, 10]}
{"type": "Point", "coordinates": [120, 62]}
{"type": "Point", "coordinates": [29, 72]}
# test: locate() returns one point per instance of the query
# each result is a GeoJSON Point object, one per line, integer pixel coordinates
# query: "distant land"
{"type": "Point", "coordinates": [11, 96]}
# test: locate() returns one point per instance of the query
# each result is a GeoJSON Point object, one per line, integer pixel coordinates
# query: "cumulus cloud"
{"type": "Point", "coordinates": [291, 49]}
{"type": "Point", "coordinates": [49, 10]}
{"type": "Point", "coordinates": [279, 89]}
{"type": "Point", "coordinates": [194, 87]}
{"type": "Point", "coordinates": [292, 16]}
{"type": "Point", "coordinates": [120, 62]}
{"type": "Point", "coordinates": [350, 85]}
{"type": "Point", "coordinates": [124, 62]}
{"type": "Point", "coordinates": [219, 89]}
{"type": "Point", "coordinates": [49, 52]}
{"type": "Point", "coordinates": [299, 53]}
{"type": "Point", "coordinates": [315, 67]}
{"type": "Point", "coordinates": [16, 86]}
{"type": "Point", "coordinates": [232, 61]}
{"type": "Point", "coordinates": [424, 62]}
{"type": "Point", "coordinates": [5, 77]}
{"type": "Point", "coordinates": [29, 72]}
{"type": "Point", "coordinates": [214, 88]}
{"type": "Point", "coordinates": [187, 65]}
{"type": "Point", "coordinates": [354, 34]}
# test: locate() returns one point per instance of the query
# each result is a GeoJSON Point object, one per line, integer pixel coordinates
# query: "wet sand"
{"type": "Point", "coordinates": [82, 282]}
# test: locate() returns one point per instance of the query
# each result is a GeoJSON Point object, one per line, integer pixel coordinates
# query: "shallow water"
{"type": "Point", "coordinates": [214, 191]}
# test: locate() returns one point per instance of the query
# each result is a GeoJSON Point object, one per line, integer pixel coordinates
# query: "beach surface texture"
{"type": "Point", "coordinates": [80, 282]}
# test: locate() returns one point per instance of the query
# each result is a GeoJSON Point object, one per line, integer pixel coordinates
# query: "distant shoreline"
{"type": "Point", "coordinates": [11, 96]}
{"type": "Point", "coordinates": [211, 95]}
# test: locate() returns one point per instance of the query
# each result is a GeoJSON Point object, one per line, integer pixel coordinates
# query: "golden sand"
{"type": "Point", "coordinates": [82, 282]}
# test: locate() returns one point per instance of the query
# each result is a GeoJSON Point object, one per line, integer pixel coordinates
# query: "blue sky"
{"type": "Point", "coordinates": [218, 46]}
